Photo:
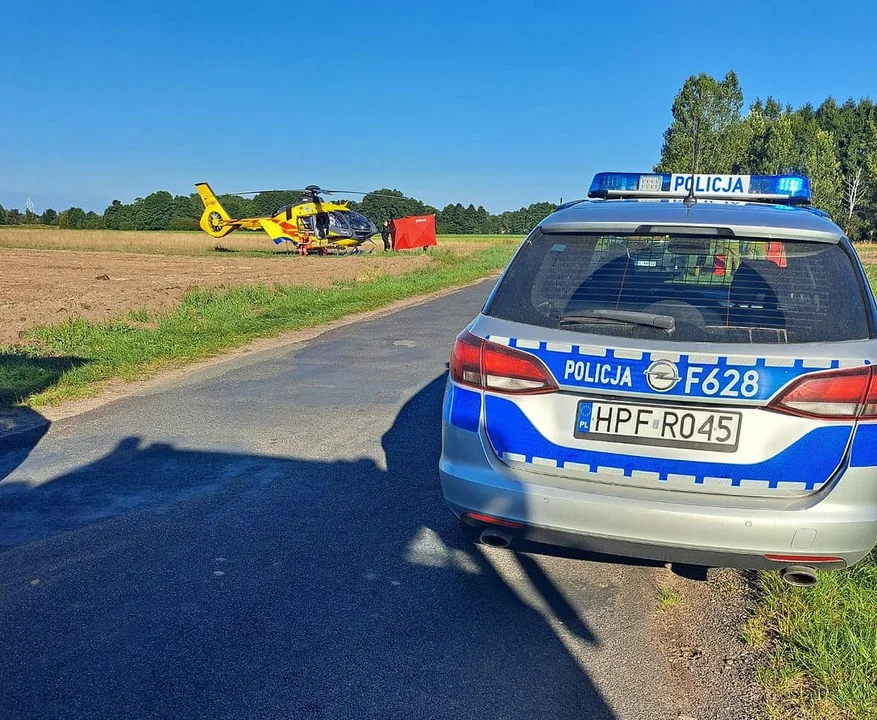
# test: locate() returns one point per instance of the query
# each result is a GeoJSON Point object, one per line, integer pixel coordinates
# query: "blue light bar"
{"type": "Point", "coordinates": [784, 189]}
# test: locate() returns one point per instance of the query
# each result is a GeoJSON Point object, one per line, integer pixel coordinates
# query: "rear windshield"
{"type": "Point", "coordinates": [686, 288]}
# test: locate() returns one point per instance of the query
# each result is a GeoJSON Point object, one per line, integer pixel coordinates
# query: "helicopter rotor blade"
{"type": "Point", "coordinates": [318, 191]}
{"type": "Point", "coordinates": [360, 192]}
{"type": "Point", "coordinates": [259, 192]}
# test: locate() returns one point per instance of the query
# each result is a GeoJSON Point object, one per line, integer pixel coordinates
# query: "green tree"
{"type": "Point", "coordinates": [468, 219]}
{"type": "Point", "coordinates": [834, 145]}
{"type": "Point", "coordinates": [2, 216]}
{"type": "Point", "coordinates": [49, 217]}
{"type": "Point", "coordinates": [236, 206]}
{"type": "Point", "coordinates": [186, 211]}
{"type": "Point", "coordinates": [154, 211]}
{"type": "Point", "coordinates": [818, 161]}
{"type": "Point", "coordinates": [187, 206]}
{"type": "Point", "coordinates": [119, 216]}
{"type": "Point", "coordinates": [778, 146]}
{"type": "Point", "coordinates": [537, 212]}
{"type": "Point", "coordinates": [93, 221]}
{"type": "Point", "coordinates": [852, 125]}
{"type": "Point", "coordinates": [786, 140]}
{"type": "Point", "coordinates": [75, 218]}
{"type": "Point", "coordinates": [483, 224]}
{"type": "Point", "coordinates": [521, 221]}
{"type": "Point", "coordinates": [266, 203]}
{"type": "Point", "coordinates": [711, 109]}
{"type": "Point", "coordinates": [766, 139]}
{"type": "Point", "coordinates": [13, 216]}
{"type": "Point", "coordinates": [183, 223]}
{"type": "Point", "coordinates": [386, 204]}
{"type": "Point", "coordinates": [449, 220]}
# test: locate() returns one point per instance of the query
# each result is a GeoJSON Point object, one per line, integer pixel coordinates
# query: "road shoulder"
{"type": "Point", "coordinates": [699, 627]}
{"type": "Point", "coordinates": [19, 420]}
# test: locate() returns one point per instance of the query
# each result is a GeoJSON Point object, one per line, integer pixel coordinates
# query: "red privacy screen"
{"type": "Point", "coordinates": [414, 232]}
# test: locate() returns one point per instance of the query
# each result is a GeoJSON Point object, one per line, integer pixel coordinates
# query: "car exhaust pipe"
{"type": "Point", "coordinates": [799, 575]}
{"type": "Point", "coordinates": [495, 538]}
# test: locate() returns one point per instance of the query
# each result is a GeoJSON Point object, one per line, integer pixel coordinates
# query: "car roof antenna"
{"type": "Point", "coordinates": [690, 200]}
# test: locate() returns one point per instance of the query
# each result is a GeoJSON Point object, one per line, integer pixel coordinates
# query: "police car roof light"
{"type": "Point", "coordinates": [782, 189]}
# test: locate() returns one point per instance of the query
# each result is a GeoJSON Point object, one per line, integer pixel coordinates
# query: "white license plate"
{"type": "Point", "coordinates": [668, 427]}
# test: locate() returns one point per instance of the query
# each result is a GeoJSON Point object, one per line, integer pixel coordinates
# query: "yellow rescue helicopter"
{"type": "Point", "coordinates": [309, 224]}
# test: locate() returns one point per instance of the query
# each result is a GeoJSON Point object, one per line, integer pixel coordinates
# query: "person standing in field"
{"type": "Point", "coordinates": [386, 234]}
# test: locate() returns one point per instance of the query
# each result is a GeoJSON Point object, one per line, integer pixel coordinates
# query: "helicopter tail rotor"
{"type": "Point", "coordinates": [214, 218]}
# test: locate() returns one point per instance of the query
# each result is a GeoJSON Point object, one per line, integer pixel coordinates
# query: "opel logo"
{"type": "Point", "coordinates": [662, 375]}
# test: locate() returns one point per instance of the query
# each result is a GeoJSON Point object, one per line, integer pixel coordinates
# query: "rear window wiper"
{"type": "Point", "coordinates": [628, 317]}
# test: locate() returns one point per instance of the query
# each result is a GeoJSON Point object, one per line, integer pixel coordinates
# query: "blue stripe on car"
{"type": "Point", "coordinates": [510, 431]}
{"type": "Point", "coordinates": [463, 408]}
{"type": "Point", "coordinates": [864, 452]}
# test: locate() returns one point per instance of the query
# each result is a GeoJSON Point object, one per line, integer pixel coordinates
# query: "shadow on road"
{"type": "Point", "coordinates": [268, 587]}
{"type": "Point", "coordinates": [21, 429]}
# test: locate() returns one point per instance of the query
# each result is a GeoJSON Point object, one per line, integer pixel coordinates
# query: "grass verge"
{"type": "Point", "coordinates": [75, 359]}
{"type": "Point", "coordinates": [820, 643]}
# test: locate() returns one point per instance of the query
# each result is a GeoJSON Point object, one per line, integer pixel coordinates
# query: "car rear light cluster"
{"type": "Point", "coordinates": [486, 365]}
{"type": "Point", "coordinates": [849, 394]}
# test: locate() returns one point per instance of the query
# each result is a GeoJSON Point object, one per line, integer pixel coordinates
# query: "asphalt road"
{"type": "Point", "coordinates": [267, 539]}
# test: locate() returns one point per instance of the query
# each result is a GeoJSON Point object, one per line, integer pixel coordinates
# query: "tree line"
{"type": "Point", "coordinates": [14, 216]}
{"type": "Point", "coordinates": [163, 211]}
{"type": "Point", "coordinates": [835, 145]}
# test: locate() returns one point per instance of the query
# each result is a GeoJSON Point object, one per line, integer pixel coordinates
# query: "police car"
{"type": "Point", "coordinates": [685, 379]}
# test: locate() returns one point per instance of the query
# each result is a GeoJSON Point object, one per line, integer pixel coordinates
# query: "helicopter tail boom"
{"type": "Point", "coordinates": [215, 221]}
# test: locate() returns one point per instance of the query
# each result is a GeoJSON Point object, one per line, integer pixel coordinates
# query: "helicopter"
{"type": "Point", "coordinates": [309, 224]}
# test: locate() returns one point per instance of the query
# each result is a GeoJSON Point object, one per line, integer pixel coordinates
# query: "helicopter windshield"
{"type": "Point", "coordinates": [357, 221]}
{"type": "Point", "coordinates": [338, 222]}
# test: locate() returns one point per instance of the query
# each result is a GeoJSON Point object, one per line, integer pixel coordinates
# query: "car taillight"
{"type": "Point", "coordinates": [466, 360]}
{"type": "Point", "coordinates": [488, 366]}
{"type": "Point", "coordinates": [836, 395]}
{"type": "Point", "coordinates": [869, 406]}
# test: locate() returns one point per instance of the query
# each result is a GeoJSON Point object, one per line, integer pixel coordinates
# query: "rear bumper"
{"type": "Point", "coordinates": [658, 524]}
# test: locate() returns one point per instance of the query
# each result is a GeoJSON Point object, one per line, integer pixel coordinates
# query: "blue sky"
{"type": "Point", "coordinates": [496, 103]}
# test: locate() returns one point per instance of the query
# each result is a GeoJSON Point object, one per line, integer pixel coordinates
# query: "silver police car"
{"type": "Point", "coordinates": [684, 379]}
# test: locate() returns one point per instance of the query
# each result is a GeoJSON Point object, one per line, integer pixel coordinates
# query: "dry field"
{"type": "Point", "coordinates": [164, 243]}
{"type": "Point", "coordinates": [178, 243]}
{"type": "Point", "coordinates": [868, 252]}
{"type": "Point", "coordinates": [48, 276]}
